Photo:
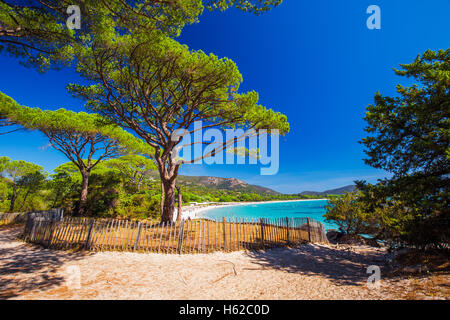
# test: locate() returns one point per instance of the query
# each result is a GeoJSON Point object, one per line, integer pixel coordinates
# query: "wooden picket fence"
{"type": "Point", "coordinates": [21, 217]}
{"type": "Point", "coordinates": [12, 217]}
{"type": "Point", "coordinates": [187, 236]}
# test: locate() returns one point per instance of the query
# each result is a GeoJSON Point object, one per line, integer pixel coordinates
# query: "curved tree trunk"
{"type": "Point", "coordinates": [56, 199]}
{"type": "Point", "coordinates": [84, 193]}
{"type": "Point", "coordinates": [24, 199]}
{"type": "Point", "coordinates": [162, 198]}
{"type": "Point", "coordinates": [169, 200]}
{"type": "Point", "coordinates": [168, 172]}
{"type": "Point", "coordinates": [13, 198]}
{"type": "Point", "coordinates": [180, 203]}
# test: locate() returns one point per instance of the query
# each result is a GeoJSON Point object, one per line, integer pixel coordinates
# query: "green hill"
{"type": "Point", "coordinates": [228, 184]}
{"type": "Point", "coordinates": [337, 191]}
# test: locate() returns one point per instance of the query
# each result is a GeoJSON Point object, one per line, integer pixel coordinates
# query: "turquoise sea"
{"type": "Point", "coordinates": [293, 209]}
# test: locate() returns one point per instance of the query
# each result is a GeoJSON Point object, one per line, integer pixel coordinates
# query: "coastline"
{"type": "Point", "coordinates": [193, 211]}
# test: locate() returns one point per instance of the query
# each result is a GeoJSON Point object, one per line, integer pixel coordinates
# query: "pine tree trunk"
{"type": "Point", "coordinates": [180, 202]}
{"type": "Point", "coordinates": [24, 199]}
{"type": "Point", "coordinates": [56, 199]}
{"type": "Point", "coordinates": [169, 201]}
{"type": "Point", "coordinates": [13, 199]}
{"type": "Point", "coordinates": [162, 198]}
{"type": "Point", "coordinates": [83, 194]}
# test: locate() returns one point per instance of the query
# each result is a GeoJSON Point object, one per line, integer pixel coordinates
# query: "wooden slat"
{"type": "Point", "coordinates": [147, 241]}
{"type": "Point", "coordinates": [225, 247]}
{"type": "Point", "coordinates": [204, 236]}
{"type": "Point", "coordinates": [150, 232]}
{"type": "Point", "coordinates": [194, 235]}
{"type": "Point", "coordinates": [60, 228]}
{"type": "Point", "coordinates": [104, 236]}
{"type": "Point", "coordinates": [63, 236]}
{"type": "Point", "coordinates": [100, 231]}
{"type": "Point", "coordinates": [277, 232]}
{"type": "Point", "coordinates": [238, 233]}
{"type": "Point", "coordinates": [271, 232]}
{"type": "Point", "coordinates": [111, 233]}
{"type": "Point", "coordinates": [72, 233]}
{"type": "Point", "coordinates": [104, 241]}
{"type": "Point", "coordinates": [171, 243]}
{"type": "Point", "coordinates": [114, 234]}
{"type": "Point", "coordinates": [65, 233]}
{"type": "Point", "coordinates": [96, 229]}
{"type": "Point", "coordinates": [130, 236]}
{"type": "Point", "coordinates": [94, 234]}
{"type": "Point", "coordinates": [78, 232]}
{"type": "Point", "coordinates": [280, 231]}
{"type": "Point", "coordinates": [176, 235]}
{"type": "Point", "coordinates": [170, 236]}
{"type": "Point", "coordinates": [166, 237]}
{"type": "Point", "coordinates": [199, 236]}
{"type": "Point", "coordinates": [244, 233]}
{"type": "Point", "coordinates": [166, 243]}
{"type": "Point", "coordinates": [181, 236]}
{"type": "Point", "coordinates": [160, 236]}
{"type": "Point", "coordinates": [121, 235]}
{"type": "Point", "coordinates": [188, 236]}
{"type": "Point", "coordinates": [230, 237]}
{"type": "Point", "coordinates": [145, 237]}
{"type": "Point", "coordinates": [124, 233]}
{"type": "Point", "coordinates": [215, 235]}
{"type": "Point", "coordinates": [176, 232]}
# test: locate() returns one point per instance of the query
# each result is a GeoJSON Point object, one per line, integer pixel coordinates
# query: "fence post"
{"type": "Point", "coordinates": [33, 229]}
{"type": "Point", "coordinates": [309, 229]}
{"type": "Point", "coordinates": [88, 238]}
{"type": "Point", "coordinates": [180, 237]}
{"type": "Point", "coordinates": [287, 230]}
{"type": "Point", "coordinates": [52, 229]}
{"type": "Point", "coordinates": [138, 236]}
{"type": "Point", "coordinates": [224, 235]}
{"type": "Point", "coordinates": [262, 232]}
{"type": "Point", "coordinates": [27, 229]}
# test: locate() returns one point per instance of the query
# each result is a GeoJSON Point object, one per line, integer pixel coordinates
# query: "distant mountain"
{"type": "Point", "coordinates": [340, 190]}
{"type": "Point", "coordinates": [217, 183]}
{"type": "Point", "coordinates": [206, 183]}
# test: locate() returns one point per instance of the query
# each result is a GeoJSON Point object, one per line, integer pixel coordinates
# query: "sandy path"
{"type": "Point", "coordinates": [307, 272]}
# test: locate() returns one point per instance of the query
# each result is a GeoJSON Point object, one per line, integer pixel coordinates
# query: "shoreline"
{"type": "Point", "coordinates": [193, 211]}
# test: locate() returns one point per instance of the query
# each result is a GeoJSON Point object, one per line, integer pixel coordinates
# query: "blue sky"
{"type": "Point", "coordinates": [314, 61]}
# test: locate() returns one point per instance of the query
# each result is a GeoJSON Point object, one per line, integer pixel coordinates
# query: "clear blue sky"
{"type": "Point", "coordinates": [314, 61]}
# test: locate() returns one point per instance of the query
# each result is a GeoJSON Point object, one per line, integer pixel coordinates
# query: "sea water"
{"type": "Point", "coordinates": [314, 209]}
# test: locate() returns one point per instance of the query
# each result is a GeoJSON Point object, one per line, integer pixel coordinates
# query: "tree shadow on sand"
{"type": "Point", "coordinates": [344, 267]}
{"type": "Point", "coordinates": [25, 267]}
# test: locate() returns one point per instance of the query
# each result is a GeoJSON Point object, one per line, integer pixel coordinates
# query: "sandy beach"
{"type": "Point", "coordinates": [196, 211]}
{"type": "Point", "coordinates": [307, 272]}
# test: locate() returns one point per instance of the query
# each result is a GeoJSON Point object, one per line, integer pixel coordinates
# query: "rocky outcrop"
{"type": "Point", "coordinates": [337, 237]}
